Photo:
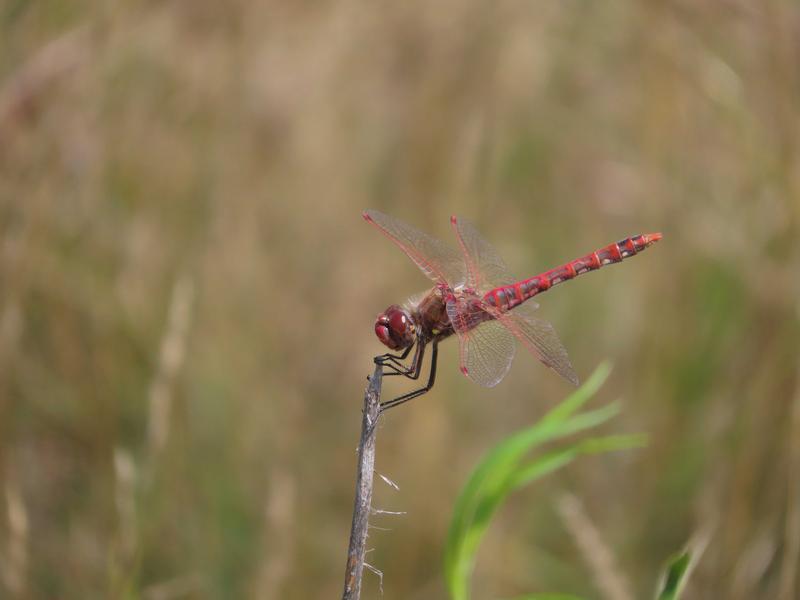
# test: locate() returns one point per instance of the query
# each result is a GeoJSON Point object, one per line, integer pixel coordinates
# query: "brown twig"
{"type": "Point", "coordinates": [363, 501]}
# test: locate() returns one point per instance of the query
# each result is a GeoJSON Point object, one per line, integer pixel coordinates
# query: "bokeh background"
{"type": "Point", "coordinates": [187, 288]}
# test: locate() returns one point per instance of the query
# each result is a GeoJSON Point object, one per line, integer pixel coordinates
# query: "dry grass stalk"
{"type": "Point", "coordinates": [180, 587]}
{"type": "Point", "coordinates": [599, 558]}
{"type": "Point", "coordinates": [791, 555]}
{"type": "Point", "coordinates": [125, 498]}
{"type": "Point", "coordinates": [278, 517]}
{"type": "Point", "coordinates": [14, 565]}
{"type": "Point", "coordinates": [173, 348]}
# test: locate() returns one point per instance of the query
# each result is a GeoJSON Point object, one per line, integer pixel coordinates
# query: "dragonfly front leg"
{"type": "Point", "coordinates": [384, 406]}
{"type": "Point", "coordinates": [383, 359]}
{"type": "Point", "coordinates": [398, 368]}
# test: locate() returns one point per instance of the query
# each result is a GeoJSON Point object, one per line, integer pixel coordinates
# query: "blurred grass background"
{"type": "Point", "coordinates": [187, 289]}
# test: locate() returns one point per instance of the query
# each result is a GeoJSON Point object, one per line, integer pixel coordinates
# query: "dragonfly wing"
{"type": "Point", "coordinates": [539, 337]}
{"type": "Point", "coordinates": [485, 268]}
{"type": "Point", "coordinates": [486, 350]}
{"type": "Point", "coordinates": [438, 261]}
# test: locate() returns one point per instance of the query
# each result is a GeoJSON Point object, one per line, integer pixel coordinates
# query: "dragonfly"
{"type": "Point", "coordinates": [477, 299]}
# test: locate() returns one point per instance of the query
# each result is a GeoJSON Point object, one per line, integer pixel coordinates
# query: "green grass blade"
{"type": "Point", "coordinates": [497, 474]}
{"type": "Point", "coordinates": [525, 475]}
{"type": "Point", "coordinates": [675, 576]}
{"type": "Point", "coordinates": [549, 427]}
{"type": "Point", "coordinates": [580, 396]}
{"type": "Point", "coordinates": [547, 597]}
{"type": "Point", "coordinates": [491, 478]}
{"type": "Point", "coordinates": [494, 467]}
{"type": "Point", "coordinates": [554, 460]}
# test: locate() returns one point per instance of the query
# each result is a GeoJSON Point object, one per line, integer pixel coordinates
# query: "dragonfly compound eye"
{"type": "Point", "coordinates": [398, 323]}
{"type": "Point", "coordinates": [394, 328]}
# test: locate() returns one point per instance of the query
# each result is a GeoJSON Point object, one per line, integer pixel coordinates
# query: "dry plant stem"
{"type": "Point", "coordinates": [791, 556]}
{"type": "Point", "coordinates": [610, 581]}
{"type": "Point", "coordinates": [363, 501]}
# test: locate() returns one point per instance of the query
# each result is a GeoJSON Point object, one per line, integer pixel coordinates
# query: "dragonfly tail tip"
{"type": "Point", "coordinates": [652, 238]}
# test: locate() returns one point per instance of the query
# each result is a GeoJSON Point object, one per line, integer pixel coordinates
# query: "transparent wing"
{"type": "Point", "coordinates": [486, 349]}
{"type": "Point", "coordinates": [485, 268]}
{"type": "Point", "coordinates": [438, 261]}
{"type": "Point", "coordinates": [539, 337]}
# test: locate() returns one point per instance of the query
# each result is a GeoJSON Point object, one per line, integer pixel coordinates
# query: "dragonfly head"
{"type": "Point", "coordinates": [395, 328]}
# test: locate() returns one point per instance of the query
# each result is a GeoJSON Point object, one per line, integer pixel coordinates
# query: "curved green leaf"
{"type": "Point", "coordinates": [502, 471]}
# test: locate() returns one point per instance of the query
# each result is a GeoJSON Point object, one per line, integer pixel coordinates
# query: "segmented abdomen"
{"type": "Point", "coordinates": [508, 296]}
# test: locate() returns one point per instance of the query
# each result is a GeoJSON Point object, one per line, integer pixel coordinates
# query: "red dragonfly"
{"type": "Point", "coordinates": [475, 297]}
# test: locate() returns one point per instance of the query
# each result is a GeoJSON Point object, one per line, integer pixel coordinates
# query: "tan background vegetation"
{"type": "Point", "coordinates": [187, 288]}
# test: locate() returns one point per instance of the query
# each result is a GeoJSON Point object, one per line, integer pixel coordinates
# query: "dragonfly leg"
{"type": "Point", "coordinates": [382, 359]}
{"type": "Point", "coordinates": [398, 368]}
{"type": "Point", "coordinates": [393, 361]}
{"type": "Point", "coordinates": [423, 390]}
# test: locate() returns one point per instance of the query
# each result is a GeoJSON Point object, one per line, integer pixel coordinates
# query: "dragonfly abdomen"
{"type": "Point", "coordinates": [508, 296]}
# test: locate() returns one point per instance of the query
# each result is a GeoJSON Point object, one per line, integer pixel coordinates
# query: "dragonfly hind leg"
{"type": "Point", "coordinates": [384, 406]}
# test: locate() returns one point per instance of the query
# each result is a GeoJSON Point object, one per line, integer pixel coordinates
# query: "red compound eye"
{"type": "Point", "coordinates": [394, 328]}
{"type": "Point", "coordinates": [398, 323]}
